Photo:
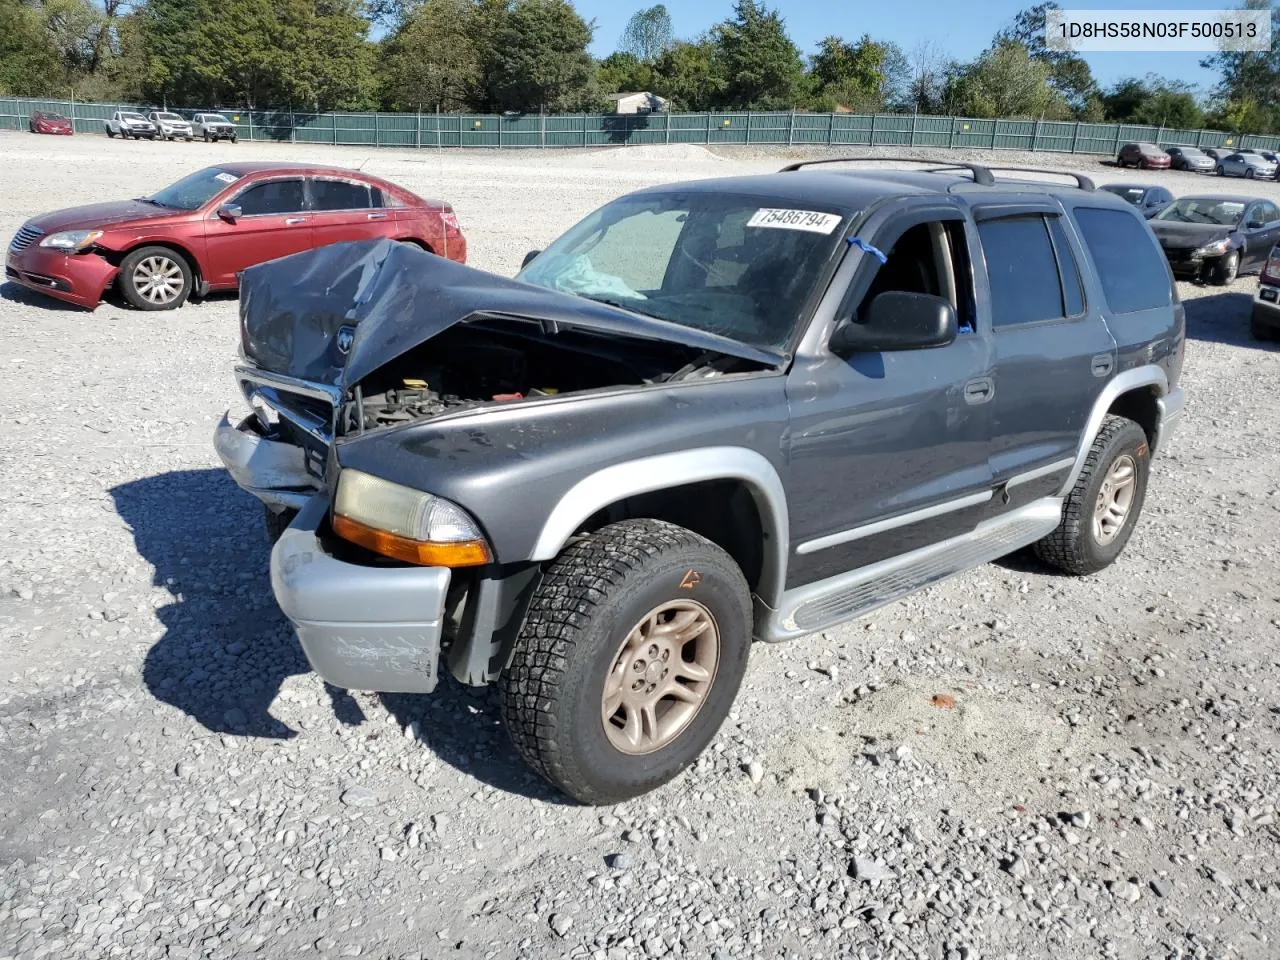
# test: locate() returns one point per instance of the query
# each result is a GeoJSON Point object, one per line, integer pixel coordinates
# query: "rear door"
{"type": "Point", "coordinates": [273, 223]}
{"type": "Point", "coordinates": [347, 210]}
{"type": "Point", "coordinates": [887, 452]}
{"type": "Point", "coordinates": [1052, 349]}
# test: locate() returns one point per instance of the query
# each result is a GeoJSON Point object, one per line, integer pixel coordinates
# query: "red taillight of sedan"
{"type": "Point", "coordinates": [1271, 272]}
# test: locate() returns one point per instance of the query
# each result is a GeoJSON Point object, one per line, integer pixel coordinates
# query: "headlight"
{"type": "Point", "coordinates": [406, 524]}
{"type": "Point", "coordinates": [71, 240]}
{"type": "Point", "coordinates": [1215, 248]}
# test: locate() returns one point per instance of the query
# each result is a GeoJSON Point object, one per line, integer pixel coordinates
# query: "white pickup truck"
{"type": "Point", "coordinates": [127, 124]}
{"type": "Point", "coordinates": [170, 126]}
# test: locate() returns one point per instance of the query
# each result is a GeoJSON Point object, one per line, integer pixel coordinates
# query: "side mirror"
{"type": "Point", "coordinates": [230, 212]}
{"type": "Point", "coordinates": [899, 321]}
{"type": "Point", "coordinates": [528, 258]}
{"type": "Point", "coordinates": [1256, 224]}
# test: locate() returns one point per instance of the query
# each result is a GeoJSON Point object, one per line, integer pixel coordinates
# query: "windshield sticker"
{"type": "Point", "coordinates": [809, 220]}
{"type": "Point", "coordinates": [226, 177]}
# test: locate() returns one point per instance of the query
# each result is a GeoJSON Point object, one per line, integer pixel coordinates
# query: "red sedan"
{"type": "Point", "coordinates": [54, 123]}
{"type": "Point", "coordinates": [198, 234]}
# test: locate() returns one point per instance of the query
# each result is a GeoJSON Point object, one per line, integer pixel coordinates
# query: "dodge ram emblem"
{"type": "Point", "coordinates": [346, 335]}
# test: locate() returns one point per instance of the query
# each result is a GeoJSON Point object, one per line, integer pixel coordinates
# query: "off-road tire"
{"type": "Point", "coordinates": [590, 598]}
{"type": "Point", "coordinates": [136, 298]}
{"type": "Point", "coordinates": [1225, 269]}
{"type": "Point", "coordinates": [276, 523]}
{"type": "Point", "coordinates": [1072, 547]}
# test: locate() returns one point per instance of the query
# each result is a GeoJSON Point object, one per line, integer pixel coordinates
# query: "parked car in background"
{"type": "Point", "coordinates": [170, 125]}
{"type": "Point", "coordinates": [1248, 165]}
{"type": "Point", "coordinates": [1191, 160]}
{"type": "Point", "coordinates": [1145, 155]}
{"type": "Point", "coordinates": [1265, 322]}
{"type": "Point", "coordinates": [1149, 200]}
{"type": "Point", "coordinates": [199, 233]}
{"type": "Point", "coordinates": [1216, 238]}
{"type": "Point", "coordinates": [1218, 153]}
{"type": "Point", "coordinates": [127, 123]}
{"type": "Point", "coordinates": [213, 126]}
{"type": "Point", "coordinates": [53, 123]}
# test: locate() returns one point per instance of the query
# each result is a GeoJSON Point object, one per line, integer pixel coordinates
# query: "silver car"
{"type": "Point", "coordinates": [170, 125]}
{"type": "Point", "coordinates": [1247, 165]}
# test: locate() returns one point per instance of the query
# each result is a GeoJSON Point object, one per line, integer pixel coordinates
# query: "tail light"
{"type": "Point", "coordinates": [1271, 272]}
{"type": "Point", "coordinates": [450, 219]}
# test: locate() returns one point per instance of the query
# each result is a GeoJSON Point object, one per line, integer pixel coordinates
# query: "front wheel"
{"type": "Point", "coordinates": [1225, 269]}
{"type": "Point", "coordinates": [630, 656]}
{"type": "Point", "coordinates": [1102, 509]}
{"type": "Point", "coordinates": [155, 278]}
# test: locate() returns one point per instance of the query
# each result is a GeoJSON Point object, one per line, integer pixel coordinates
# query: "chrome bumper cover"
{"type": "Point", "coordinates": [362, 628]}
{"type": "Point", "coordinates": [273, 471]}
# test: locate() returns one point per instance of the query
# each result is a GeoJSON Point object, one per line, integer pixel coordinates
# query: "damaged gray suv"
{"type": "Point", "coordinates": [710, 412]}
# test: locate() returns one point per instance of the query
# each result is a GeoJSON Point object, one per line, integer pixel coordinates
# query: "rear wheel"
{"type": "Point", "coordinates": [1248, 173]}
{"type": "Point", "coordinates": [1221, 171]}
{"type": "Point", "coordinates": [110, 134]}
{"type": "Point", "coordinates": [155, 278]}
{"type": "Point", "coordinates": [628, 661]}
{"type": "Point", "coordinates": [1102, 509]}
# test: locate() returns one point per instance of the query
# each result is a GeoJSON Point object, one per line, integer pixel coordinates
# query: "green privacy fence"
{"type": "Point", "coordinates": [588, 130]}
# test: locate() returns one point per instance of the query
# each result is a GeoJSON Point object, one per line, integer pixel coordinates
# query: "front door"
{"type": "Point", "coordinates": [1052, 349]}
{"type": "Point", "coordinates": [887, 452]}
{"type": "Point", "coordinates": [1261, 232]}
{"type": "Point", "coordinates": [347, 210]}
{"type": "Point", "coordinates": [273, 223]}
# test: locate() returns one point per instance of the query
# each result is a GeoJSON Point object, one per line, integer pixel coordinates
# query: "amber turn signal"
{"type": "Point", "coordinates": [464, 553]}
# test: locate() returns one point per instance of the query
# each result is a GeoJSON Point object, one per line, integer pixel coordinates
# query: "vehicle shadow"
{"type": "Point", "coordinates": [227, 649]}
{"type": "Point", "coordinates": [29, 298]}
{"type": "Point", "coordinates": [1223, 318]}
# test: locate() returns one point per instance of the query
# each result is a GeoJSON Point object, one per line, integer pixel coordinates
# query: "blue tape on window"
{"type": "Point", "coordinates": [868, 248]}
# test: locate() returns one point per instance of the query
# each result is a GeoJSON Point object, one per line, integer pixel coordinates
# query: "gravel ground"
{"type": "Point", "coordinates": [1011, 764]}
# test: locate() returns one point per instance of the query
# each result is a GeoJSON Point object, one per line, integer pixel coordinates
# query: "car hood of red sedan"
{"type": "Point", "coordinates": [100, 215]}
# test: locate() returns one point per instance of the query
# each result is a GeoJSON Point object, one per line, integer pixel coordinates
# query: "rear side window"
{"type": "Point", "coordinates": [1072, 289]}
{"type": "Point", "coordinates": [339, 195]}
{"type": "Point", "coordinates": [1130, 268]}
{"type": "Point", "coordinates": [1026, 286]}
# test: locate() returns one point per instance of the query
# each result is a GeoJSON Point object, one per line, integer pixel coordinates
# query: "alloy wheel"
{"type": "Point", "coordinates": [158, 280]}
{"type": "Point", "coordinates": [661, 676]}
{"type": "Point", "coordinates": [1115, 499]}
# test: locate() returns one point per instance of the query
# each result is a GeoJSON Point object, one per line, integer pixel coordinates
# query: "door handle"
{"type": "Point", "coordinates": [979, 391]}
{"type": "Point", "coordinates": [1101, 365]}
{"type": "Point", "coordinates": [377, 216]}
{"type": "Point", "coordinates": [292, 221]}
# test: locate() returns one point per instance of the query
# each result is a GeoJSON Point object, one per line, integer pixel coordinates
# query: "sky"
{"type": "Point", "coordinates": [963, 29]}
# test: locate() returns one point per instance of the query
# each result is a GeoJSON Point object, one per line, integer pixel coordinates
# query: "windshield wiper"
{"type": "Point", "coordinates": [156, 203]}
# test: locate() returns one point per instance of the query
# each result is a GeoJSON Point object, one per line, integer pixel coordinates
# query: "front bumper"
{"type": "Point", "coordinates": [1172, 406]}
{"type": "Point", "coordinates": [274, 471]}
{"type": "Point", "coordinates": [361, 628]}
{"type": "Point", "coordinates": [79, 278]}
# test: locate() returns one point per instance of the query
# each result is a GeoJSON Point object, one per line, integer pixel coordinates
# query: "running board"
{"type": "Point", "coordinates": [817, 606]}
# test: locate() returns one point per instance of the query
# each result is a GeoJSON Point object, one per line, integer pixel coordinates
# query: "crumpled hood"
{"type": "Point", "coordinates": [392, 296]}
{"type": "Point", "coordinates": [1172, 234]}
{"type": "Point", "coordinates": [101, 215]}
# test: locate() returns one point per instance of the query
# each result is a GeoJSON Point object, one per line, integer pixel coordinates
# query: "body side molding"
{"type": "Point", "coordinates": [596, 491]}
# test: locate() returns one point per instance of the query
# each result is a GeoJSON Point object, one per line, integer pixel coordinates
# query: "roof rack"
{"type": "Point", "coordinates": [1083, 182]}
{"type": "Point", "coordinates": [980, 173]}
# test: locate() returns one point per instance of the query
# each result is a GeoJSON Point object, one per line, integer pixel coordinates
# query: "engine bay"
{"type": "Point", "coordinates": [499, 360]}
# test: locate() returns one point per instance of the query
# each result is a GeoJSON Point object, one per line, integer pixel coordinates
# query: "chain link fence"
{"type": "Point", "coordinates": [588, 130]}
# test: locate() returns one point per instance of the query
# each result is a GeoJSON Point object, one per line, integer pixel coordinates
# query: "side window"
{"type": "Point", "coordinates": [339, 195]}
{"type": "Point", "coordinates": [1072, 289]}
{"type": "Point", "coordinates": [929, 258]}
{"type": "Point", "coordinates": [1022, 270]}
{"type": "Point", "coordinates": [272, 197]}
{"type": "Point", "coordinates": [1130, 267]}
{"type": "Point", "coordinates": [1268, 212]}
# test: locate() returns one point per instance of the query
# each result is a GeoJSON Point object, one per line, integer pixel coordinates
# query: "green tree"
{"type": "Point", "coordinates": [537, 59]}
{"type": "Point", "coordinates": [865, 77]}
{"type": "Point", "coordinates": [624, 72]}
{"type": "Point", "coordinates": [1008, 82]}
{"type": "Point", "coordinates": [1249, 80]}
{"type": "Point", "coordinates": [1069, 74]}
{"type": "Point", "coordinates": [689, 75]}
{"type": "Point", "coordinates": [434, 60]}
{"type": "Point", "coordinates": [29, 61]}
{"type": "Point", "coordinates": [1153, 102]}
{"type": "Point", "coordinates": [761, 67]}
{"type": "Point", "coordinates": [647, 34]}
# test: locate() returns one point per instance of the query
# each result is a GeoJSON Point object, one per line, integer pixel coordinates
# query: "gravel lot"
{"type": "Point", "coordinates": [175, 783]}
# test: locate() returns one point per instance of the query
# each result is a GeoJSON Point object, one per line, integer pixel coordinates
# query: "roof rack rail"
{"type": "Point", "coordinates": [1083, 182]}
{"type": "Point", "coordinates": [980, 173]}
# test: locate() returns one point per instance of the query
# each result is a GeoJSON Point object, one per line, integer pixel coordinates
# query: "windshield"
{"type": "Point", "coordinates": [1132, 194]}
{"type": "Point", "coordinates": [1221, 213]}
{"type": "Point", "coordinates": [168, 116]}
{"type": "Point", "coordinates": [737, 266]}
{"type": "Point", "coordinates": [194, 190]}
{"type": "Point", "coordinates": [132, 116]}
{"type": "Point", "coordinates": [215, 118]}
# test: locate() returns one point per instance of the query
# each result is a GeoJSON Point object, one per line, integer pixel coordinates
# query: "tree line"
{"type": "Point", "coordinates": [488, 56]}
